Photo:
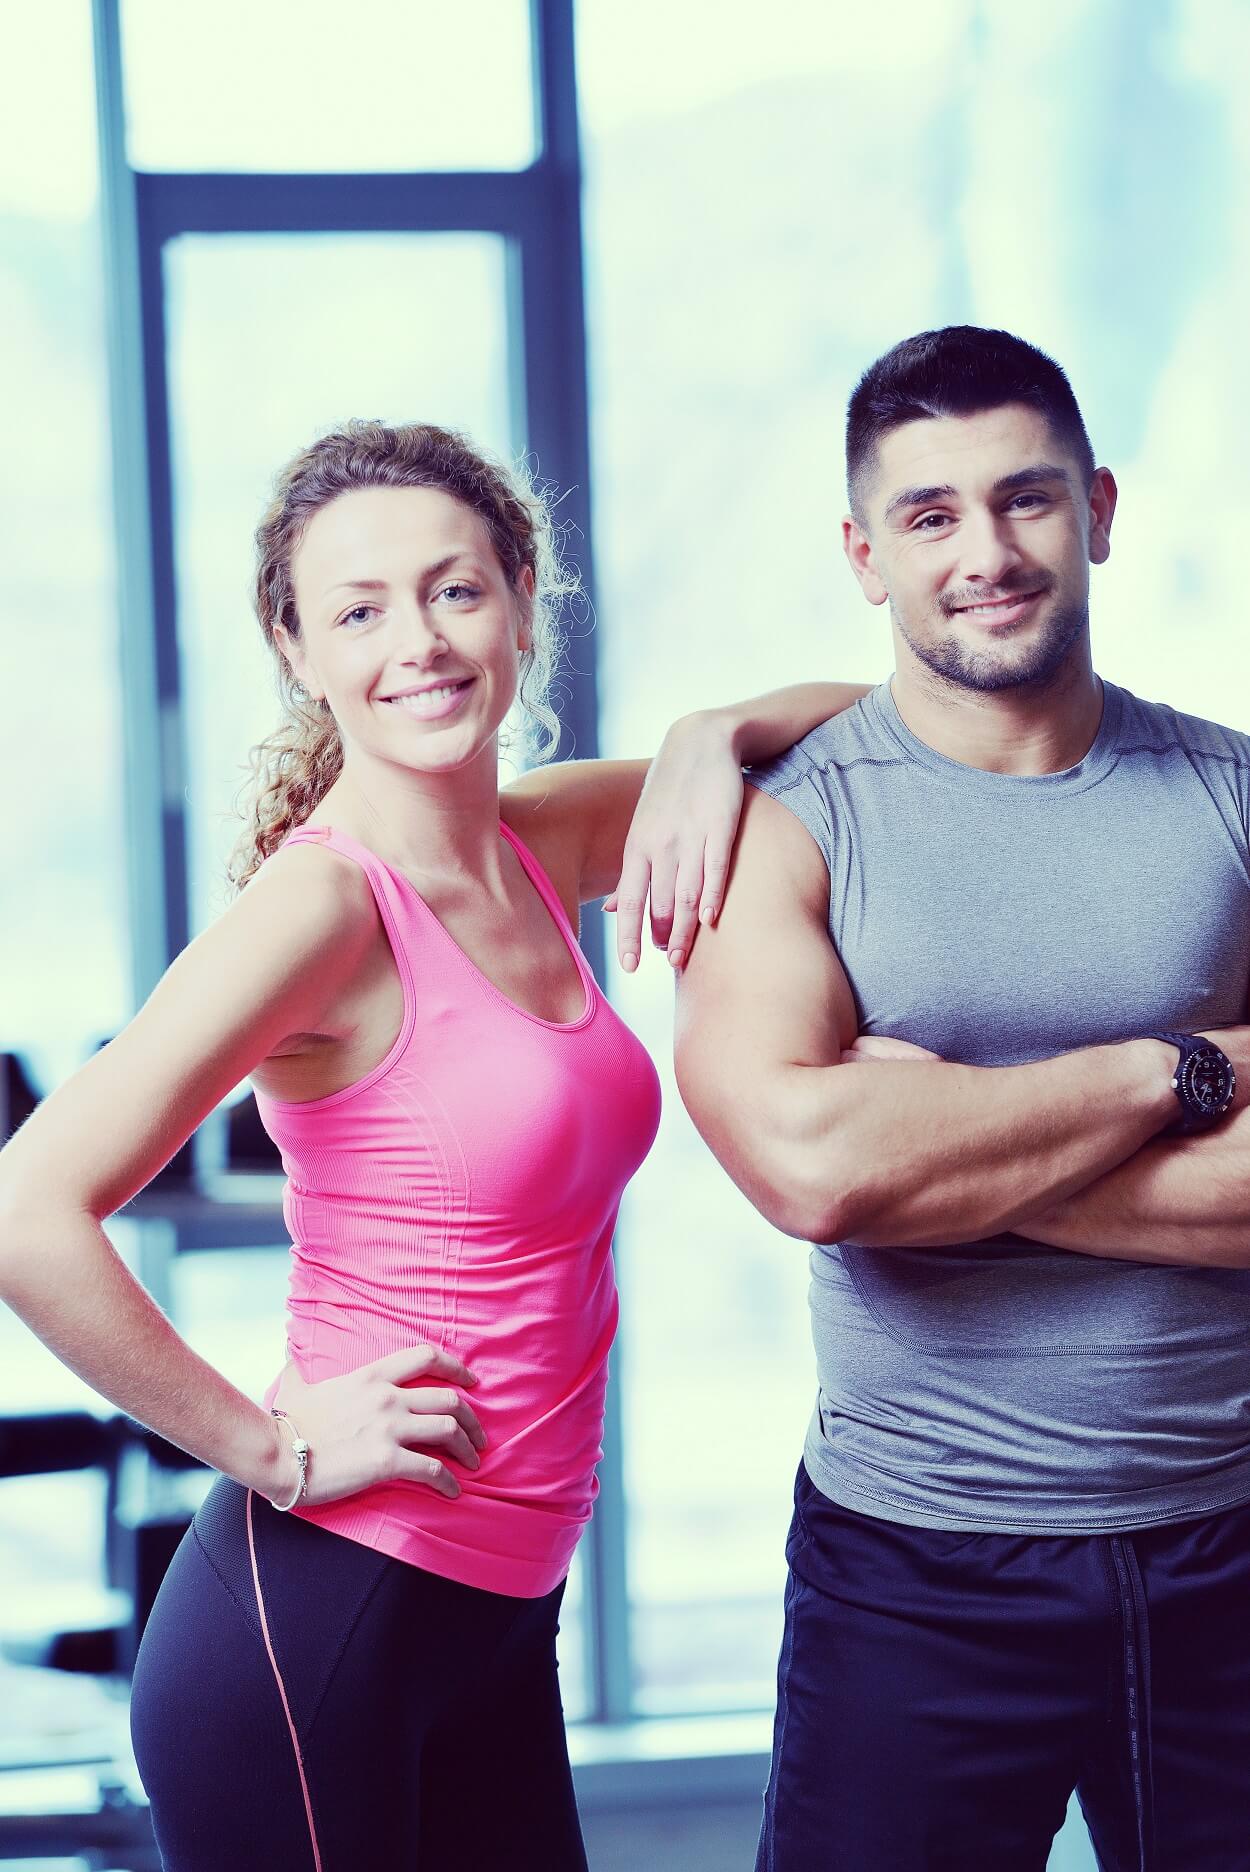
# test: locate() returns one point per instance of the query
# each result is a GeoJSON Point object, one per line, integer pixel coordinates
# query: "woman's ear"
{"type": "Point", "coordinates": [525, 608]}
{"type": "Point", "coordinates": [292, 648]}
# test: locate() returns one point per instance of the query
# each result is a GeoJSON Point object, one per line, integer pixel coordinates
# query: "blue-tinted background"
{"type": "Point", "coordinates": [773, 196]}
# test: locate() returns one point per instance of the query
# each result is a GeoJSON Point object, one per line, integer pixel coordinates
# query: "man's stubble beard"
{"type": "Point", "coordinates": [989, 670]}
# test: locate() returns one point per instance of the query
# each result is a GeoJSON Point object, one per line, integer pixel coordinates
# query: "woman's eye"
{"type": "Point", "coordinates": [459, 593]}
{"type": "Point", "coordinates": [358, 615]}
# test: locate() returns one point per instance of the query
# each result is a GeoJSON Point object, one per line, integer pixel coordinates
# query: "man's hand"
{"type": "Point", "coordinates": [882, 1047]}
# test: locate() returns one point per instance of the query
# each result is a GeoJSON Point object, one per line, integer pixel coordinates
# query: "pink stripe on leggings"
{"type": "Point", "coordinates": [264, 1626]}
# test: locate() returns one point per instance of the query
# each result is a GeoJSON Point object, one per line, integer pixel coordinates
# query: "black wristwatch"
{"type": "Point", "coordinates": [1204, 1083]}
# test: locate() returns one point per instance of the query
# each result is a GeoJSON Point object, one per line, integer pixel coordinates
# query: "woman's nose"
{"type": "Point", "coordinates": [420, 639]}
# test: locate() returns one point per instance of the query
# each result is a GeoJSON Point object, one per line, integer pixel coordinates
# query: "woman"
{"type": "Point", "coordinates": [351, 1663]}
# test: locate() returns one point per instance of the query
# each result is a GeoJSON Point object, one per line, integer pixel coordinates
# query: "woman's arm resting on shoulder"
{"type": "Point", "coordinates": [269, 969]}
{"type": "Point", "coordinates": [665, 830]}
{"type": "Point", "coordinates": [679, 844]}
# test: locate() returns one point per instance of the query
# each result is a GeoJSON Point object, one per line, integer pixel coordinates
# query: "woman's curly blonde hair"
{"type": "Point", "coordinates": [293, 768]}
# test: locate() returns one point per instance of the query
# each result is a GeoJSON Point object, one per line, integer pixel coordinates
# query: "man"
{"type": "Point", "coordinates": [1020, 1555]}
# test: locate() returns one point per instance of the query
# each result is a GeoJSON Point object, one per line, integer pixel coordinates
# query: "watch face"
{"type": "Point", "coordinates": [1207, 1082]}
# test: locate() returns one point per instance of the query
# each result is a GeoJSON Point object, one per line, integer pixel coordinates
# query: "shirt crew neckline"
{"type": "Point", "coordinates": [1093, 767]}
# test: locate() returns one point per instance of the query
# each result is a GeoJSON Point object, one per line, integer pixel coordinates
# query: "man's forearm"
{"type": "Point", "coordinates": [1182, 1201]}
{"type": "Point", "coordinates": [902, 1154]}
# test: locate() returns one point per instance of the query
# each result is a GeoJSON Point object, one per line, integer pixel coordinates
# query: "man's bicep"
{"type": "Point", "coordinates": [763, 997]}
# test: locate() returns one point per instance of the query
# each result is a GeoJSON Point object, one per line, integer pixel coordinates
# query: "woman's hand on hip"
{"type": "Point", "coordinates": [401, 1418]}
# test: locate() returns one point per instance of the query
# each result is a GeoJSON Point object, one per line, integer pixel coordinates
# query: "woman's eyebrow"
{"type": "Point", "coordinates": [355, 584]}
{"type": "Point", "coordinates": [429, 572]}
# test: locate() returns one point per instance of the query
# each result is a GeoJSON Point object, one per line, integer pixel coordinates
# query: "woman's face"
{"type": "Point", "coordinates": [409, 628]}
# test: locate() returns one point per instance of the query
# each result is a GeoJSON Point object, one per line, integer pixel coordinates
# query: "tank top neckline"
{"type": "Point", "coordinates": [542, 884]}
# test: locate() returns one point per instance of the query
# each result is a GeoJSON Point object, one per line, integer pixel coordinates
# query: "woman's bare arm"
{"type": "Point", "coordinates": [665, 828]}
{"type": "Point", "coordinates": [267, 971]}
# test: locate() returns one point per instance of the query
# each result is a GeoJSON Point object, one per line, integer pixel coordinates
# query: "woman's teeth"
{"type": "Point", "coordinates": [425, 699]}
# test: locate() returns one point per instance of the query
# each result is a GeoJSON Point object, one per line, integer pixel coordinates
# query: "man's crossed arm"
{"type": "Point", "coordinates": [1182, 1200]}
{"type": "Point", "coordinates": [923, 1152]}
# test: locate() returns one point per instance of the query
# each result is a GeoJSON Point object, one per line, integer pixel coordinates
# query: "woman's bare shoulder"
{"type": "Point", "coordinates": [313, 891]}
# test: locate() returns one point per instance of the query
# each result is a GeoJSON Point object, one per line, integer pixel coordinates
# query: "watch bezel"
{"type": "Point", "coordinates": [1205, 1057]}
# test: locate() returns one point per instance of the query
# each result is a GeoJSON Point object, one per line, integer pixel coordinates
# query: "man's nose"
{"type": "Point", "coordinates": [987, 549]}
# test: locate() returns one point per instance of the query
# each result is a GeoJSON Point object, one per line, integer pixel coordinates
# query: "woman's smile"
{"type": "Point", "coordinates": [432, 701]}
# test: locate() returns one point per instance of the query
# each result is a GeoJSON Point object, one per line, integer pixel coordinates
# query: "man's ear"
{"type": "Point", "coordinates": [525, 608]}
{"type": "Point", "coordinates": [292, 648]}
{"type": "Point", "coordinates": [858, 549]}
{"type": "Point", "coordinates": [1102, 499]}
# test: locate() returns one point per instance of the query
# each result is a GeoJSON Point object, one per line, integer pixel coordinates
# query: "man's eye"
{"type": "Point", "coordinates": [930, 523]}
{"type": "Point", "coordinates": [1029, 500]}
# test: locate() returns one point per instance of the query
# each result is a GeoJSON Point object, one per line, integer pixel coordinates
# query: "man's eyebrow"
{"type": "Point", "coordinates": [915, 497]}
{"type": "Point", "coordinates": [431, 572]}
{"type": "Point", "coordinates": [1025, 477]}
{"type": "Point", "coordinates": [1020, 477]}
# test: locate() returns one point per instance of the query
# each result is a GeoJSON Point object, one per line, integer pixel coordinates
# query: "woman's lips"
{"type": "Point", "coordinates": [431, 704]}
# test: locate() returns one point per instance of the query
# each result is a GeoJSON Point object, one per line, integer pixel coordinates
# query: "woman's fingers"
{"type": "Point", "coordinates": [445, 1404]}
{"type": "Point", "coordinates": [700, 892]}
{"type": "Point", "coordinates": [687, 896]}
{"type": "Point", "coordinates": [681, 891]}
{"type": "Point", "coordinates": [411, 1466]}
{"type": "Point", "coordinates": [443, 1433]}
{"type": "Point", "coordinates": [665, 867]}
{"type": "Point", "coordinates": [715, 873]}
{"type": "Point", "coordinates": [422, 1361]}
{"type": "Point", "coordinates": [629, 900]}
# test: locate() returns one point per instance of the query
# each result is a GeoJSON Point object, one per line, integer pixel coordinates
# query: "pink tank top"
{"type": "Point", "coordinates": [464, 1193]}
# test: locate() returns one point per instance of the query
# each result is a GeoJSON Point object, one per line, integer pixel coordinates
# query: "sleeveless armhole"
{"type": "Point", "coordinates": [551, 898]}
{"type": "Point", "coordinates": [380, 885]}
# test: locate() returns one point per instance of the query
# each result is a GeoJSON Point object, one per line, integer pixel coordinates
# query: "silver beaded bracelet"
{"type": "Point", "coordinates": [301, 1457]}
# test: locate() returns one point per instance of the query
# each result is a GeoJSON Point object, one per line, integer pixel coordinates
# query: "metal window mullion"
{"type": "Point", "coordinates": [488, 202]}
{"type": "Point", "coordinates": [553, 325]}
{"type": "Point", "coordinates": [151, 715]}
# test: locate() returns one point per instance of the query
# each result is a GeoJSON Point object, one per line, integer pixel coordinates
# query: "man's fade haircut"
{"type": "Point", "coordinates": [960, 370]}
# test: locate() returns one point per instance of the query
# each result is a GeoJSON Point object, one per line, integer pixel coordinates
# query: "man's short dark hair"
{"type": "Point", "coordinates": [958, 371]}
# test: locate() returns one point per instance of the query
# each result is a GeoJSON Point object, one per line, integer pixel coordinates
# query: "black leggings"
{"type": "Point", "coordinates": [404, 1723]}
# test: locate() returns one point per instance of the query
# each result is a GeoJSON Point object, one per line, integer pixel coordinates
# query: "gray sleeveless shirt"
{"type": "Point", "coordinates": [1002, 1385]}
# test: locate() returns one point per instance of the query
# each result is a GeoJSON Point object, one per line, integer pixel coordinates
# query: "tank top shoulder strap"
{"type": "Point", "coordinates": [342, 842]}
{"type": "Point", "coordinates": [395, 909]}
{"type": "Point", "coordinates": [541, 882]}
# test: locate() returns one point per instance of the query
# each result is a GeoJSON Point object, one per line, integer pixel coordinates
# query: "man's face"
{"type": "Point", "coordinates": [979, 532]}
